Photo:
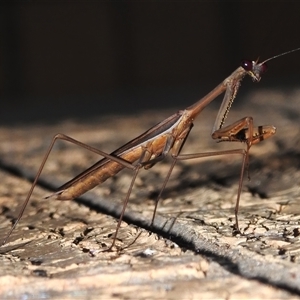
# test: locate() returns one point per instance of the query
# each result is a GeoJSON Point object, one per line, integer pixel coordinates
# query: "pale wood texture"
{"type": "Point", "coordinates": [191, 252]}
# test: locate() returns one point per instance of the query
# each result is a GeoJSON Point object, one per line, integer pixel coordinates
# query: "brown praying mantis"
{"type": "Point", "coordinates": [166, 137]}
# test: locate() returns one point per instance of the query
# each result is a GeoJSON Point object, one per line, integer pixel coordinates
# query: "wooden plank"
{"type": "Point", "coordinates": [57, 249]}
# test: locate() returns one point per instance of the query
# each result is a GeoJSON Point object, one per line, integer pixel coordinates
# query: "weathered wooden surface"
{"type": "Point", "coordinates": [57, 249]}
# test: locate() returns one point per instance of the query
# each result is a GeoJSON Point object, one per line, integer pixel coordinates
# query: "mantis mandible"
{"type": "Point", "coordinates": [166, 137]}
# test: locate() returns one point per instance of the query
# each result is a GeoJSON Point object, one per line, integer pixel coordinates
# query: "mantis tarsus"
{"type": "Point", "coordinates": [167, 136]}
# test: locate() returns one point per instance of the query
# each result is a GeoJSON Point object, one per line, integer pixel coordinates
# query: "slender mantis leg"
{"type": "Point", "coordinates": [64, 137]}
{"type": "Point", "coordinates": [236, 132]}
{"type": "Point", "coordinates": [167, 136]}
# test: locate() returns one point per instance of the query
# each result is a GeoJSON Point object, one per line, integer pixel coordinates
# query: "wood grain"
{"type": "Point", "coordinates": [191, 252]}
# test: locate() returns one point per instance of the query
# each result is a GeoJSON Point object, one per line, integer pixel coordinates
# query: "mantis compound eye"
{"type": "Point", "coordinates": [247, 65]}
{"type": "Point", "coordinates": [263, 68]}
{"type": "Point", "coordinates": [252, 66]}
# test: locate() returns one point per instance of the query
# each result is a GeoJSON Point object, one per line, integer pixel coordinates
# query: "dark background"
{"type": "Point", "coordinates": [84, 59]}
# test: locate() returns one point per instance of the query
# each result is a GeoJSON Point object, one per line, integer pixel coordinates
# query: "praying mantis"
{"type": "Point", "coordinates": [166, 137]}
